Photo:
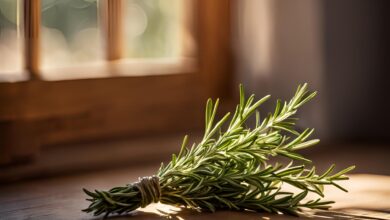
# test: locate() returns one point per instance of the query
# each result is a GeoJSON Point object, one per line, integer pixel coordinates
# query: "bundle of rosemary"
{"type": "Point", "coordinates": [228, 169]}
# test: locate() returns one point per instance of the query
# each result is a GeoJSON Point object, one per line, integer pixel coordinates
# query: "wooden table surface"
{"type": "Point", "coordinates": [62, 198]}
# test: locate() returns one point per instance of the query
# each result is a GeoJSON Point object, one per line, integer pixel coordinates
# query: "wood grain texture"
{"type": "Point", "coordinates": [40, 113]}
{"type": "Point", "coordinates": [215, 46]}
{"type": "Point", "coordinates": [31, 30]}
{"type": "Point", "coordinates": [62, 198]}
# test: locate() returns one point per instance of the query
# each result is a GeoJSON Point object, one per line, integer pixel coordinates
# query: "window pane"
{"type": "Point", "coordinates": [10, 45]}
{"type": "Point", "coordinates": [70, 33]}
{"type": "Point", "coordinates": [153, 28]}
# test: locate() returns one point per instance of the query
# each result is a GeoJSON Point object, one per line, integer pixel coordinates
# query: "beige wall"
{"type": "Point", "coordinates": [280, 45]}
{"type": "Point", "coordinates": [339, 47]}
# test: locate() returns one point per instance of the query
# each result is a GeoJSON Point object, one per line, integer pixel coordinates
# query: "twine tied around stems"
{"type": "Point", "coordinates": [149, 188]}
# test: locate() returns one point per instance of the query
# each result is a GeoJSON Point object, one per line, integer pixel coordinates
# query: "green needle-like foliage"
{"type": "Point", "coordinates": [228, 169]}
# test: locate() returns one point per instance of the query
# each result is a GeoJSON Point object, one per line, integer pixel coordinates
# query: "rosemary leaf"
{"type": "Point", "coordinates": [229, 169]}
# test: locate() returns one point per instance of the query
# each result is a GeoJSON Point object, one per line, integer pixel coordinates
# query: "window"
{"type": "Point", "coordinates": [85, 33]}
{"type": "Point", "coordinates": [10, 46]}
{"type": "Point", "coordinates": [153, 28]}
{"type": "Point", "coordinates": [125, 67]}
{"type": "Point", "coordinates": [70, 33]}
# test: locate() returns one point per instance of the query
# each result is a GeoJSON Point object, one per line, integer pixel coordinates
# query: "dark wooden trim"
{"type": "Point", "coordinates": [41, 113]}
{"type": "Point", "coordinates": [31, 30]}
{"type": "Point", "coordinates": [215, 48]}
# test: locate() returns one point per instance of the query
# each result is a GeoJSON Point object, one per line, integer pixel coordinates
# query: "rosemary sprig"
{"type": "Point", "coordinates": [228, 169]}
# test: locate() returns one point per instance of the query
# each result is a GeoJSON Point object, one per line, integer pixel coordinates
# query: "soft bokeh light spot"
{"type": "Point", "coordinates": [137, 20]}
{"type": "Point", "coordinates": [70, 33]}
{"type": "Point", "coordinates": [153, 28]}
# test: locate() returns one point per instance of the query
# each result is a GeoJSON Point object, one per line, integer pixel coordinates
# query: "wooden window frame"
{"type": "Point", "coordinates": [37, 112]}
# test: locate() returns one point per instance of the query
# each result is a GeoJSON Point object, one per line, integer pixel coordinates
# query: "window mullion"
{"type": "Point", "coordinates": [31, 30]}
{"type": "Point", "coordinates": [112, 27]}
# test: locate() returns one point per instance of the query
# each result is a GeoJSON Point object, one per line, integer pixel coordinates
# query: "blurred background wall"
{"type": "Point", "coordinates": [338, 47]}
